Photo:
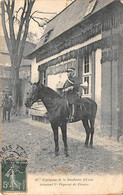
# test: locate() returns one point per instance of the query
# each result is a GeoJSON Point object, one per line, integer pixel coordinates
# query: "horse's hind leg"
{"type": "Point", "coordinates": [64, 137]}
{"type": "Point", "coordinates": [87, 129]}
{"type": "Point", "coordinates": [55, 131]}
{"type": "Point", "coordinates": [92, 132]}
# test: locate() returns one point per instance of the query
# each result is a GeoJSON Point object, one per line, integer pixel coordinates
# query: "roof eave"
{"type": "Point", "coordinates": [32, 54]}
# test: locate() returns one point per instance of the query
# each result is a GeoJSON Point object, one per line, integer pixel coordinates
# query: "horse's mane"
{"type": "Point", "coordinates": [49, 91]}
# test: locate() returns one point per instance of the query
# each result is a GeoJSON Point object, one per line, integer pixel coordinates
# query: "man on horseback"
{"type": "Point", "coordinates": [71, 90]}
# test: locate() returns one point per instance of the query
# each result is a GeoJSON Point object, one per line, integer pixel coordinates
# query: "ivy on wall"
{"type": "Point", "coordinates": [109, 55]}
{"type": "Point", "coordinates": [62, 67]}
{"type": "Point", "coordinates": [107, 42]}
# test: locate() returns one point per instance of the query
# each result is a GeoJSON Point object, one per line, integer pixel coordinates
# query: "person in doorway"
{"type": "Point", "coordinates": [71, 90]}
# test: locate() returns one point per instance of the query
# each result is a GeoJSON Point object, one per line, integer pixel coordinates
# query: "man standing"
{"type": "Point", "coordinates": [71, 90]}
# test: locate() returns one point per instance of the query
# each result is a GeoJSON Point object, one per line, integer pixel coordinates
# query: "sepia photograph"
{"type": "Point", "coordinates": [61, 97]}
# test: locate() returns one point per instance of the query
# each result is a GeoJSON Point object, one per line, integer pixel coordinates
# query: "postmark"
{"type": "Point", "coordinates": [13, 152]}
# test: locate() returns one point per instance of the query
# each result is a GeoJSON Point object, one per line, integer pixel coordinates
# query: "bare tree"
{"type": "Point", "coordinates": [16, 40]}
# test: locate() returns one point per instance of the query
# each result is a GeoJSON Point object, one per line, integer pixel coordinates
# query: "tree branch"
{"type": "Point", "coordinates": [5, 29]}
{"type": "Point", "coordinates": [16, 19]}
{"type": "Point", "coordinates": [11, 25]}
{"type": "Point", "coordinates": [40, 25]}
{"type": "Point", "coordinates": [21, 23]}
{"type": "Point", "coordinates": [42, 12]}
{"type": "Point", "coordinates": [21, 8]}
{"type": "Point", "coordinates": [44, 19]}
{"type": "Point", "coordinates": [5, 4]}
{"type": "Point", "coordinates": [27, 19]}
{"type": "Point", "coordinates": [8, 5]}
{"type": "Point", "coordinates": [12, 6]}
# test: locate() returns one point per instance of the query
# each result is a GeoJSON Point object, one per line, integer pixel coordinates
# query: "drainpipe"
{"type": "Point", "coordinates": [111, 85]}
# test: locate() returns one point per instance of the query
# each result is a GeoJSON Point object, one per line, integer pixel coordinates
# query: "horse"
{"type": "Point", "coordinates": [58, 113]}
{"type": "Point", "coordinates": [6, 107]}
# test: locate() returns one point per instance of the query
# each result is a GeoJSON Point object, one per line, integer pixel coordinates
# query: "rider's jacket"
{"type": "Point", "coordinates": [72, 94]}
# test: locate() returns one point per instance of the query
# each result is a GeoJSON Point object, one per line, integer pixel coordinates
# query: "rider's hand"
{"type": "Point", "coordinates": [70, 88]}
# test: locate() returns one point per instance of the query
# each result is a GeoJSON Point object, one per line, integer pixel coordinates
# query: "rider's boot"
{"type": "Point", "coordinates": [72, 112]}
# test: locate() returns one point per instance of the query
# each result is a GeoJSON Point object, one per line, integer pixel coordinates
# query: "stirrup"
{"type": "Point", "coordinates": [71, 118]}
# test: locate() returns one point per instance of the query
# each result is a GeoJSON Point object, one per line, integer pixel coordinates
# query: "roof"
{"type": "Point", "coordinates": [69, 17]}
{"type": "Point", "coordinates": [29, 47]}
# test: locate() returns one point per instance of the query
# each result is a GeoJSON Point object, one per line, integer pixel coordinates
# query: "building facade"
{"type": "Point", "coordinates": [87, 35]}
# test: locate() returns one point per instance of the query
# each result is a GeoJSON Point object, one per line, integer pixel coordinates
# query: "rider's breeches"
{"type": "Point", "coordinates": [73, 109]}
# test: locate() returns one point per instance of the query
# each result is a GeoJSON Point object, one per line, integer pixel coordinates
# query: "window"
{"type": "Point", "coordinates": [90, 7]}
{"type": "Point", "coordinates": [47, 35]}
{"type": "Point", "coordinates": [86, 64]}
{"type": "Point", "coordinates": [87, 74]}
{"type": "Point", "coordinates": [44, 77]}
{"type": "Point", "coordinates": [86, 78]}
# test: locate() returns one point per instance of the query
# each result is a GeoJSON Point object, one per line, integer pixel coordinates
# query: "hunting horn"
{"type": "Point", "coordinates": [84, 85]}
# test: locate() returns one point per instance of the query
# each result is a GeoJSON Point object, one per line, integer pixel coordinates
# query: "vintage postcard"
{"type": "Point", "coordinates": [61, 97]}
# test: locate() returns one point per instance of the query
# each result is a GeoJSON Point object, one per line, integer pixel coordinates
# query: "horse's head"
{"type": "Point", "coordinates": [33, 95]}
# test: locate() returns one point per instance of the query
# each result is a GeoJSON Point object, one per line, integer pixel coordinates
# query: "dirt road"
{"type": "Point", "coordinates": [37, 140]}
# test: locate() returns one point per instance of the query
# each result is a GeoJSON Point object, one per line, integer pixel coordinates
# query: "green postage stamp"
{"type": "Point", "coordinates": [13, 175]}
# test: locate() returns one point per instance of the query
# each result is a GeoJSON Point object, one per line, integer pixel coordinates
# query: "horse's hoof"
{"type": "Point", "coordinates": [86, 145]}
{"type": "Point", "coordinates": [91, 147]}
{"type": "Point", "coordinates": [67, 155]}
{"type": "Point", "coordinates": [56, 154]}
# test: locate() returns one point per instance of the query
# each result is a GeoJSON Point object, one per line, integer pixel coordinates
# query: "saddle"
{"type": "Point", "coordinates": [82, 106]}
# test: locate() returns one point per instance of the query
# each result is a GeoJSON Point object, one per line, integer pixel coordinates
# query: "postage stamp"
{"type": "Point", "coordinates": [13, 175]}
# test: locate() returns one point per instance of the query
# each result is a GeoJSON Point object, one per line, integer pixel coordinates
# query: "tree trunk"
{"type": "Point", "coordinates": [16, 45]}
{"type": "Point", "coordinates": [15, 87]}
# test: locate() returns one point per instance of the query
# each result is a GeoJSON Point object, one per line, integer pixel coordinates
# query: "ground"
{"type": "Point", "coordinates": [37, 140]}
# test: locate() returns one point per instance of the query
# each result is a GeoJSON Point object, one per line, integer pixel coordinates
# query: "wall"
{"type": "Point", "coordinates": [98, 87]}
{"type": "Point", "coordinates": [5, 78]}
{"type": "Point", "coordinates": [5, 59]}
{"type": "Point", "coordinates": [34, 71]}
{"type": "Point", "coordinates": [52, 80]}
{"type": "Point", "coordinates": [112, 73]}
{"type": "Point", "coordinates": [25, 87]}
{"type": "Point", "coordinates": [120, 86]}
{"type": "Point", "coordinates": [109, 103]}
{"type": "Point", "coordinates": [24, 72]}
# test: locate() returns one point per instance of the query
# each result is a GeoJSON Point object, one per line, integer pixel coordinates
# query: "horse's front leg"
{"type": "Point", "coordinates": [55, 131]}
{"type": "Point", "coordinates": [64, 137]}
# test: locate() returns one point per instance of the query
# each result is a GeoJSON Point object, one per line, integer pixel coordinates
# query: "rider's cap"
{"type": "Point", "coordinates": [70, 70]}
